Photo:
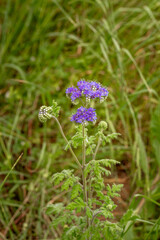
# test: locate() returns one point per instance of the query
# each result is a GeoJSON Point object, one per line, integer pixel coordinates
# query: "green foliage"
{"type": "Point", "coordinates": [72, 233]}
{"type": "Point", "coordinates": [77, 139]}
{"type": "Point", "coordinates": [113, 191]}
{"type": "Point", "coordinates": [70, 180]}
{"type": "Point", "coordinates": [111, 136]}
{"type": "Point", "coordinates": [77, 205]}
{"type": "Point", "coordinates": [55, 109]}
{"type": "Point", "coordinates": [93, 173]}
{"type": "Point", "coordinates": [155, 130]}
{"type": "Point", "coordinates": [112, 231]}
{"type": "Point", "coordinates": [90, 145]}
{"type": "Point", "coordinates": [128, 216]}
{"type": "Point", "coordinates": [107, 162]}
{"type": "Point", "coordinates": [128, 220]}
{"type": "Point", "coordinates": [97, 167]}
{"type": "Point", "coordinates": [107, 138]}
{"type": "Point", "coordinates": [54, 208]}
{"type": "Point", "coordinates": [59, 177]}
{"type": "Point", "coordinates": [76, 190]}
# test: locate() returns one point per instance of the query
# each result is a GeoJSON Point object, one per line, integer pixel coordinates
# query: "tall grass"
{"type": "Point", "coordinates": [49, 45]}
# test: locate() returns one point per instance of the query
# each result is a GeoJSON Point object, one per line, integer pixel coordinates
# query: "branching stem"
{"type": "Point", "coordinates": [70, 148]}
{"type": "Point", "coordinates": [97, 147]}
{"type": "Point", "coordinates": [94, 217]}
{"type": "Point", "coordinates": [83, 169]}
{"type": "Point", "coordinates": [83, 164]}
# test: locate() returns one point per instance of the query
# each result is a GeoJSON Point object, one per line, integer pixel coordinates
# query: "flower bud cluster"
{"type": "Point", "coordinates": [102, 125]}
{"type": "Point", "coordinates": [45, 113]}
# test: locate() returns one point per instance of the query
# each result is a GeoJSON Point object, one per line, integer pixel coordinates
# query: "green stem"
{"type": "Point", "coordinates": [98, 145]}
{"type": "Point", "coordinates": [83, 165]}
{"type": "Point", "coordinates": [70, 148]}
{"type": "Point", "coordinates": [10, 171]}
{"type": "Point", "coordinates": [83, 168]}
{"type": "Point", "coordinates": [90, 193]}
{"type": "Point", "coordinates": [92, 221]}
{"type": "Point", "coordinates": [94, 216]}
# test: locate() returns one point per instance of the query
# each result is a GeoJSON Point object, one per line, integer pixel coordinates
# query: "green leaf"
{"type": "Point", "coordinates": [77, 205]}
{"type": "Point", "coordinates": [60, 220]}
{"type": "Point", "coordinates": [65, 174]}
{"type": "Point", "coordinates": [112, 191]}
{"type": "Point", "coordinates": [68, 183]}
{"type": "Point", "coordinates": [148, 198]}
{"type": "Point", "coordinates": [55, 109]}
{"type": "Point", "coordinates": [54, 208]}
{"type": "Point", "coordinates": [106, 213]}
{"type": "Point", "coordinates": [143, 154]}
{"type": "Point", "coordinates": [128, 216]}
{"type": "Point", "coordinates": [90, 145]}
{"type": "Point", "coordinates": [76, 190]}
{"type": "Point", "coordinates": [105, 171]}
{"type": "Point", "coordinates": [73, 231]}
{"type": "Point", "coordinates": [58, 177]}
{"type": "Point", "coordinates": [111, 136]}
{"type": "Point", "coordinates": [88, 212]}
{"type": "Point", "coordinates": [111, 230]}
{"type": "Point", "coordinates": [155, 130]}
{"type": "Point", "coordinates": [107, 162]}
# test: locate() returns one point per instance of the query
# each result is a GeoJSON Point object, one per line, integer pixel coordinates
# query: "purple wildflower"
{"type": "Point", "coordinates": [84, 115]}
{"type": "Point", "coordinates": [90, 90]}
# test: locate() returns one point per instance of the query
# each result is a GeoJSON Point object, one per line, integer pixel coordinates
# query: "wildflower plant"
{"type": "Point", "coordinates": [87, 215]}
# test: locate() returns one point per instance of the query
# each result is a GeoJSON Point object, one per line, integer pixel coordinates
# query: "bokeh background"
{"type": "Point", "coordinates": [47, 46]}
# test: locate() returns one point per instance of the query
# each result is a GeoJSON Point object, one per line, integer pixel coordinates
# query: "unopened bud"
{"type": "Point", "coordinates": [45, 113]}
{"type": "Point", "coordinates": [103, 125]}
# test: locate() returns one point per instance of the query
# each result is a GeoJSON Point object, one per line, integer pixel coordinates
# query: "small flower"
{"type": "Point", "coordinates": [89, 90]}
{"type": "Point", "coordinates": [84, 115]}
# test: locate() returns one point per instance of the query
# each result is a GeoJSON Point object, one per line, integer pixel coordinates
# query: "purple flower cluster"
{"type": "Point", "coordinates": [84, 115]}
{"type": "Point", "coordinates": [90, 90]}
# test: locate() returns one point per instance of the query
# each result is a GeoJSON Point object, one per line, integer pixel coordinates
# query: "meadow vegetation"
{"type": "Point", "coordinates": [47, 46]}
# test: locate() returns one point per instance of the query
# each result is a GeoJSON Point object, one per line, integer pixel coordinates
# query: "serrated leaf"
{"type": "Point", "coordinates": [65, 174]}
{"type": "Point", "coordinates": [62, 219]}
{"type": "Point", "coordinates": [55, 109]}
{"type": "Point", "coordinates": [107, 162]}
{"type": "Point", "coordinates": [68, 183]}
{"type": "Point", "coordinates": [72, 231]}
{"type": "Point", "coordinates": [106, 213]}
{"type": "Point", "coordinates": [88, 212]}
{"type": "Point", "coordinates": [54, 208]}
{"type": "Point", "coordinates": [105, 171]}
{"type": "Point", "coordinates": [111, 136]}
{"type": "Point", "coordinates": [76, 190]}
{"type": "Point", "coordinates": [77, 205]}
{"type": "Point", "coordinates": [128, 216]}
{"type": "Point", "coordinates": [112, 191]}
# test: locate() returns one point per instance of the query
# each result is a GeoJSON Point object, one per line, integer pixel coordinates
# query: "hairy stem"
{"type": "Point", "coordinates": [89, 186]}
{"type": "Point", "coordinates": [92, 221]}
{"type": "Point", "coordinates": [83, 165]}
{"type": "Point", "coordinates": [94, 216]}
{"type": "Point", "coordinates": [83, 168]}
{"type": "Point", "coordinates": [98, 145]}
{"type": "Point", "coordinates": [70, 148]}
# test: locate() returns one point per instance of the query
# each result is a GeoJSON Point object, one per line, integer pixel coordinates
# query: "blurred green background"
{"type": "Point", "coordinates": [47, 46]}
